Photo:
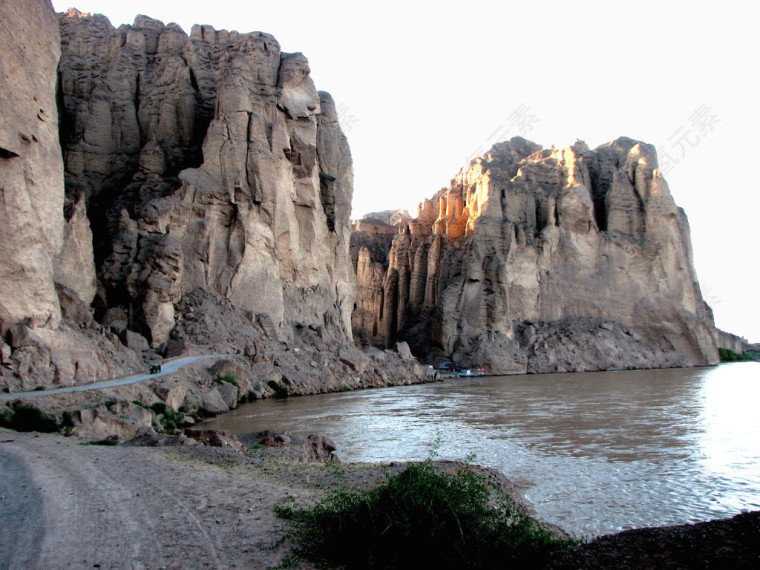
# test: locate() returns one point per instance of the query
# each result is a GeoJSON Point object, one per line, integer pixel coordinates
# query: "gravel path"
{"type": "Point", "coordinates": [66, 505]}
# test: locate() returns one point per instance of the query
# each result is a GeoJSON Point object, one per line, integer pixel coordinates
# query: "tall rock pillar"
{"type": "Point", "coordinates": [31, 165]}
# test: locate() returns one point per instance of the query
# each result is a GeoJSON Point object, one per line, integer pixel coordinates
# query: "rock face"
{"type": "Point", "coordinates": [31, 167]}
{"type": "Point", "coordinates": [541, 260]}
{"type": "Point", "coordinates": [51, 337]}
{"type": "Point", "coordinates": [206, 208]}
{"type": "Point", "coordinates": [205, 161]}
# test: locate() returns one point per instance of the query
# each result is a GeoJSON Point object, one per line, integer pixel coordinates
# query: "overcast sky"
{"type": "Point", "coordinates": [423, 87]}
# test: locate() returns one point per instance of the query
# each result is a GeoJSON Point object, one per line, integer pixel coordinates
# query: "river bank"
{"type": "Point", "coordinates": [634, 448]}
{"type": "Point", "coordinates": [198, 386]}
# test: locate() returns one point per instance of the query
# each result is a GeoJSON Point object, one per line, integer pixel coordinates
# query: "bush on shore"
{"type": "Point", "coordinates": [727, 355]}
{"type": "Point", "coordinates": [418, 519]}
{"type": "Point", "coordinates": [23, 417]}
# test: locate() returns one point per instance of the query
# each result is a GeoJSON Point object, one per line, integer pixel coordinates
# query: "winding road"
{"type": "Point", "coordinates": [168, 367]}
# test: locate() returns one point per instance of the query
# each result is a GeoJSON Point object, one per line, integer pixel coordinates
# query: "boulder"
{"type": "Point", "coordinates": [215, 438]}
{"type": "Point", "coordinates": [313, 449]}
{"type": "Point", "coordinates": [21, 336]}
{"type": "Point", "coordinates": [5, 353]}
{"type": "Point", "coordinates": [213, 403]}
{"type": "Point", "coordinates": [72, 306]}
{"type": "Point", "coordinates": [229, 393]}
{"type": "Point", "coordinates": [172, 393]}
{"type": "Point", "coordinates": [173, 348]}
{"type": "Point", "coordinates": [134, 341]}
{"type": "Point", "coordinates": [121, 423]}
{"type": "Point", "coordinates": [321, 449]}
{"type": "Point", "coordinates": [353, 358]}
{"type": "Point", "coordinates": [404, 351]}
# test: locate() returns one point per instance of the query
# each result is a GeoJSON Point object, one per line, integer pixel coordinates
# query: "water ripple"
{"type": "Point", "coordinates": [594, 453]}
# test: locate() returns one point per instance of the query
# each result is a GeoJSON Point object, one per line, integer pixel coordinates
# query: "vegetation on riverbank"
{"type": "Point", "coordinates": [419, 518]}
{"type": "Point", "coordinates": [727, 355]}
{"type": "Point", "coordinates": [24, 417]}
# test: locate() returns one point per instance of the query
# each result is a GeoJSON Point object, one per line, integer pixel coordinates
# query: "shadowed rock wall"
{"type": "Point", "coordinates": [205, 161]}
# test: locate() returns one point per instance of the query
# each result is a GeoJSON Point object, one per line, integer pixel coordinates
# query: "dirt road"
{"type": "Point", "coordinates": [67, 505]}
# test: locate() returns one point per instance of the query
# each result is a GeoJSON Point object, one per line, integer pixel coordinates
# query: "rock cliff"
{"type": "Point", "coordinates": [206, 161]}
{"type": "Point", "coordinates": [540, 260]}
{"type": "Point", "coordinates": [49, 332]}
{"type": "Point", "coordinates": [31, 166]}
{"type": "Point", "coordinates": [733, 342]}
{"type": "Point", "coordinates": [205, 209]}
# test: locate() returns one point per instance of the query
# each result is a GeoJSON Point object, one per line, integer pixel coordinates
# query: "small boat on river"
{"type": "Point", "coordinates": [471, 372]}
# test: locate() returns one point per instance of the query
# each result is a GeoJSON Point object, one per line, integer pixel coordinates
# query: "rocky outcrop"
{"type": "Point", "coordinates": [31, 167]}
{"type": "Point", "coordinates": [311, 362]}
{"type": "Point", "coordinates": [47, 274]}
{"type": "Point", "coordinates": [315, 448]}
{"type": "Point", "coordinates": [206, 161]}
{"type": "Point", "coordinates": [543, 260]}
{"type": "Point", "coordinates": [371, 242]}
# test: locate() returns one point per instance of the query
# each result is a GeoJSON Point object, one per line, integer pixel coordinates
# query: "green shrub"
{"type": "Point", "coordinates": [727, 355]}
{"type": "Point", "coordinates": [6, 417]}
{"type": "Point", "coordinates": [229, 378]}
{"type": "Point", "coordinates": [417, 519]}
{"type": "Point", "coordinates": [23, 417]}
{"type": "Point", "coordinates": [169, 418]}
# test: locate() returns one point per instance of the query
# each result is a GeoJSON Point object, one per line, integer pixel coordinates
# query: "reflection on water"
{"type": "Point", "coordinates": [594, 453]}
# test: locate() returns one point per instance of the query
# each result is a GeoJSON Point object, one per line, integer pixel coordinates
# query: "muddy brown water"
{"type": "Point", "coordinates": [594, 453]}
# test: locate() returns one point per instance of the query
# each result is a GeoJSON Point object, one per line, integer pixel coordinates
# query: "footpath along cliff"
{"type": "Point", "coordinates": [539, 260]}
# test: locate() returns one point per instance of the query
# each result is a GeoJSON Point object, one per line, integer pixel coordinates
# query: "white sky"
{"type": "Point", "coordinates": [421, 87]}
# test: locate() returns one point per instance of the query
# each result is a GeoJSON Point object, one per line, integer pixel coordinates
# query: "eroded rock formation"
{"type": "Point", "coordinates": [542, 260]}
{"type": "Point", "coordinates": [206, 209]}
{"type": "Point", "coordinates": [48, 333]}
{"type": "Point", "coordinates": [207, 161]}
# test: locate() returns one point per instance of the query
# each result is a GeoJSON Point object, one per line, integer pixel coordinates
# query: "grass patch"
{"type": "Point", "coordinates": [418, 519]}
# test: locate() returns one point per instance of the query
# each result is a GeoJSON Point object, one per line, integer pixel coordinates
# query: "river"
{"type": "Point", "coordinates": [592, 452]}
